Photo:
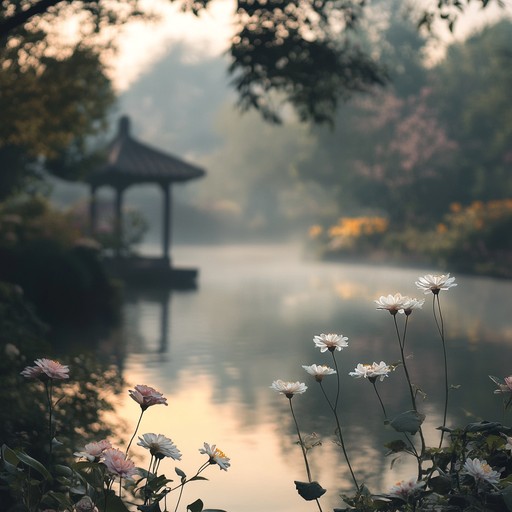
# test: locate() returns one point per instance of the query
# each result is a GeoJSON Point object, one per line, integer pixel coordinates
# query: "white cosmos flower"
{"type": "Point", "coordinates": [289, 388]}
{"type": "Point", "coordinates": [216, 456]}
{"type": "Point", "coordinates": [330, 342]}
{"type": "Point", "coordinates": [319, 371]}
{"type": "Point", "coordinates": [160, 446]}
{"type": "Point", "coordinates": [503, 388]}
{"type": "Point", "coordinates": [435, 283]}
{"type": "Point", "coordinates": [481, 471]}
{"type": "Point", "coordinates": [392, 303]}
{"type": "Point", "coordinates": [409, 304]}
{"type": "Point", "coordinates": [371, 371]}
{"type": "Point", "coordinates": [406, 489]}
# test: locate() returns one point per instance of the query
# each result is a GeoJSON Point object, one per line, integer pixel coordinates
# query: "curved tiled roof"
{"type": "Point", "coordinates": [129, 162]}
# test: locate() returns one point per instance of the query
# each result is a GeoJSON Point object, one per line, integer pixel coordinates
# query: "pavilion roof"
{"type": "Point", "coordinates": [130, 162]}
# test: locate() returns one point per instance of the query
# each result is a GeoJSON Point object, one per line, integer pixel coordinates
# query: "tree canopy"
{"type": "Point", "coordinates": [305, 53]}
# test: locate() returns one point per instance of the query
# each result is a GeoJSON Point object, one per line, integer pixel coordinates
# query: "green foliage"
{"type": "Point", "coordinates": [473, 239]}
{"type": "Point", "coordinates": [58, 269]}
{"type": "Point", "coordinates": [409, 421]}
{"type": "Point", "coordinates": [309, 490]}
{"type": "Point", "coordinates": [51, 109]}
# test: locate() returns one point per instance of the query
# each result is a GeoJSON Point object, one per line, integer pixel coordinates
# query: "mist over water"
{"type": "Point", "coordinates": [215, 351]}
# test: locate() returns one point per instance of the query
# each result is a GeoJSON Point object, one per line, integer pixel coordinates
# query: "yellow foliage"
{"type": "Point", "coordinates": [354, 227]}
{"type": "Point", "coordinates": [315, 231]}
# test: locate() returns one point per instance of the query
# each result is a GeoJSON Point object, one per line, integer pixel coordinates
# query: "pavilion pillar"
{"type": "Point", "coordinates": [166, 221]}
{"type": "Point", "coordinates": [118, 221]}
{"type": "Point", "coordinates": [92, 211]}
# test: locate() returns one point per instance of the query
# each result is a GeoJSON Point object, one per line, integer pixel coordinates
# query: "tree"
{"type": "Point", "coordinates": [472, 92]}
{"type": "Point", "coordinates": [300, 52]}
{"type": "Point", "coordinates": [51, 107]}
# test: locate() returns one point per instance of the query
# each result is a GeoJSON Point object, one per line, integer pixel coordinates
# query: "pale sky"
{"type": "Point", "coordinates": [141, 44]}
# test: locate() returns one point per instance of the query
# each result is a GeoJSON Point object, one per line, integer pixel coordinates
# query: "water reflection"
{"type": "Point", "coordinates": [214, 353]}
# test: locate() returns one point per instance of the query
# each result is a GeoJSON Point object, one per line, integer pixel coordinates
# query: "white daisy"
{"type": "Point", "coordinates": [216, 456]}
{"type": "Point", "coordinates": [319, 371]}
{"type": "Point", "coordinates": [160, 446]}
{"type": "Point", "coordinates": [435, 283]}
{"type": "Point", "coordinates": [289, 388]}
{"type": "Point", "coordinates": [371, 371]}
{"type": "Point", "coordinates": [330, 342]}
{"type": "Point", "coordinates": [392, 303]}
{"type": "Point", "coordinates": [410, 304]}
{"type": "Point", "coordinates": [481, 471]}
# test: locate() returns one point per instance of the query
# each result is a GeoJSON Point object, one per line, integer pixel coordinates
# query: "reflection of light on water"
{"type": "Point", "coordinates": [258, 468]}
{"type": "Point", "coordinates": [252, 320]}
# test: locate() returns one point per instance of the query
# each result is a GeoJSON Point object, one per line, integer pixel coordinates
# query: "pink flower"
{"type": "Point", "coordinates": [146, 396]}
{"type": "Point", "coordinates": [93, 451]}
{"type": "Point", "coordinates": [85, 505]}
{"type": "Point", "coordinates": [117, 463]}
{"type": "Point", "coordinates": [46, 369]}
{"type": "Point", "coordinates": [406, 489]}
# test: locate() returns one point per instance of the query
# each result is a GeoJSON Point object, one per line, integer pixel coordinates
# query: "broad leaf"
{"type": "Point", "coordinates": [197, 506]}
{"type": "Point", "coordinates": [180, 473]}
{"type": "Point", "coordinates": [309, 490]}
{"type": "Point", "coordinates": [34, 464]}
{"type": "Point", "coordinates": [408, 421]}
{"type": "Point", "coordinates": [395, 446]}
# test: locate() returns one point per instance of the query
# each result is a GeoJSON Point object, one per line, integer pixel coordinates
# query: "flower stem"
{"type": "Point", "coordinates": [401, 343]}
{"type": "Point", "coordinates": [440, 327]}
{"type": "Point", "coordinates": [300, 440]}
{"type": "Point", "coordinates": [134, 434]}
{"type": "Point", "coordinates": [374, 383]}
{"type": "Point", "coordinates": [340, 434]}
{"type": "Point", "coordinates": [49, 397]}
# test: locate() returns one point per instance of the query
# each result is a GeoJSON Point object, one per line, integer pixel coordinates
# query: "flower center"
{"type": "Point", "coordinates": [220, 453]}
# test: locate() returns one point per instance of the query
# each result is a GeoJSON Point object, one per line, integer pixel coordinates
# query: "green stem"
{"type": "Point", "coordinates": [440, 327]}
{"type": "Point", "coordinates": [401, 343]}
{"type": "Point", "coordinates": [340, 434]}
{"type": "Point", "coordinates": [300, 439]}
{"type": "Point", "coordinates": [374, 383]}
{"type": "Point", "coordinates": [134, 434]}
{"type": "Point", "coordinates": [49, 397]}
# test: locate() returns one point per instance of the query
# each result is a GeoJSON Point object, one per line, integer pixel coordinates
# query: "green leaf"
{"type": "Point", "coordinates": [9, 455]}
{"type": "Point", "coordinates": [62, 499]}
{"type": "Point", "coordinates": [507, 497]}
{"type": "Point", "coordinates": [180, 473]}
{"type": "Point", "coordinates": [395, 446]}
{"type": "Point", "coordinates": [157, 483]}
{"type": "Point", "coordinates": [113, 503]}
{"type": "Point", "coordinates": [440, 484]}
{"type": "Point", "coordinates": [63, 470]}
{"type": "Point", "coordinates": [198, 478]}
{"type": "Point", "coordinates": [408, 421]}
{"type": "Point", "coordinates": [154, 507]}
{"type": "Point", "coordinates": [309, 490]}
{"type": "Point", "coordinates": [197, 506]}
{"type": "Point", "coordinates": [34, 464]}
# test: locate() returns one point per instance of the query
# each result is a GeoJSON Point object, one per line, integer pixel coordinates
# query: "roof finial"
{"type": "Point", "coordinates": [124, 125]}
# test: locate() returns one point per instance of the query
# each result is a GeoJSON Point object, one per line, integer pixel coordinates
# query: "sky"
{"type": "Point", "coordinates": [141, 44]}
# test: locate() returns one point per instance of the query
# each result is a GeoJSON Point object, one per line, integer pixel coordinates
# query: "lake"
{"type": "Point", "coordinates": [214, 352]}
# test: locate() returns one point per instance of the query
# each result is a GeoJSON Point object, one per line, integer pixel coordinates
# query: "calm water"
{"type": "Point", "coordinates": [214, 353]}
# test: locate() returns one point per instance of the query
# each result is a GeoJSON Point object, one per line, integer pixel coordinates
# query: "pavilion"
{"type": "Point", "coordinates": [129, 162]}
